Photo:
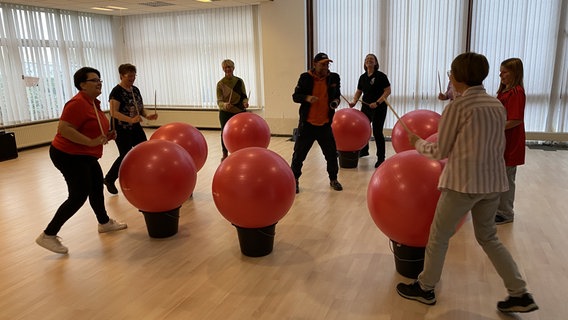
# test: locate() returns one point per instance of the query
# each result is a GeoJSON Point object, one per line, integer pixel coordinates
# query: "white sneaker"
{"type": "Point", "coordinates": [51, 243]}
{"type": "Point", "coordinates": [111, 225]}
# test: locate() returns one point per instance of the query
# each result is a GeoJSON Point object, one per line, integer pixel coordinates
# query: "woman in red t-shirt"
{"type": "Point", "coordinates": [82, 131]}
{"type": "Point", "coordinates": [511, 93]}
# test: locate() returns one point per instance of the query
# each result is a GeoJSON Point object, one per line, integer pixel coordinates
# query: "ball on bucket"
{"type": "Point", "coordinates": [188, 137]}
{"type": "Point", "coordinates": [245, 130]}
{"type": "Point", "coordinates": [157, 176]}
{"type": "Point", "coordinates": [351, 129]}
{"type": "Point", "coordinates": [253, 187]}
{"type": "Point", "coordinates": [402, 197]}
{"type": "Point", "coordinates": [424, 123]}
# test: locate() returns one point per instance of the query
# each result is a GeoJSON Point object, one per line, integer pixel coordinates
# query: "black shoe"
{"type": "Point", "coordinates": [524, 303]}
{"type": "Point", "coordinates": [499, 219]}
{"type": "Point", "coordinates": [110, 186]}
{"type": "Point", "coordinates": [297, 186]}
{"type": "Point", "coordinates": [335, 185]}
{"type": "Point", "coordinates": [413, 291]}
{"type": "Point", "coordinates": [363, 153]}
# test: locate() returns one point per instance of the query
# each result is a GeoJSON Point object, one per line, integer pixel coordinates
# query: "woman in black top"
{"type": "Point", "coordinates": [126, 110]}
{"type": "Point", "coordinates": [375, 88]}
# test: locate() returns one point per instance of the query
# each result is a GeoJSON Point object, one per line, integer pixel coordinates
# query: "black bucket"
{"type": "Point", "coordinates": [162, 224]}
{"type": "Point", "coordinates": [409, 261]}
{"type": "Point", "coordinates": [348, 159]}
{"type": "Point", "coordinates": [256, 242]}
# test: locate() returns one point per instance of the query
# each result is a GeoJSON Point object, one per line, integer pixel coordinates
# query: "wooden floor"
{"type": "Point", "coordinates": [329, 261]}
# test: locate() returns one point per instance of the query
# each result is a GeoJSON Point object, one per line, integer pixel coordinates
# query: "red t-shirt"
{"type": "Point", "coordinates": [80, 112]}
{"type": "Point", "coordinates": [514, 102]}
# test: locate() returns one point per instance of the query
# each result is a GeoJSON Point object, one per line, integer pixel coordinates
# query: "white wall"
{"type": "Point", "coordinates": [283, 50]}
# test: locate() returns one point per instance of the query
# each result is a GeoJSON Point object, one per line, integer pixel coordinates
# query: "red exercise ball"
{"type": "Point", "coordinates": [402, 197]}
{"type": "Point", "coordinates": [245, 130]}
{"type": "Point", "coordinates": [424, 123]}
{"type": "Point", "coordinates": [254, 188]}
{"type": "Point", "coordinates": [351, 129]}
{"type": "Point", "coordinates": [157, 176]}
{"type": "Point", "coordinates": [188, 137]}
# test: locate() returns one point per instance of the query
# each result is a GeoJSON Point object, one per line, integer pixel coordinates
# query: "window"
{"type": "Point", "coordinates": [180, 54]}
{"type": "Point", "coordinates": [41, 50]}
{"type": "Point", "coordinates": [415, 42]}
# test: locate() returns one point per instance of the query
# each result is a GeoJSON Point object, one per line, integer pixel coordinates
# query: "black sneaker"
{"type": "Point", "coordinates": [499, 219]}
{"type": "Point", "coordinates": [110, 186]}
{"type": "Point", "coordinates": [335, 185]}
{"type": "Point", "coordinates": [297, 186]}
{"type": "Point", "coordinates": [413, 291]}
{"type": "Point", "coordinates": [524, 303]}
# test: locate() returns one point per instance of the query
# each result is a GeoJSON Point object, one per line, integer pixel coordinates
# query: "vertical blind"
{"type": "Point", "coordinates": [179, 55]}
{"type": "Point", "coordinates": [416, 41]}
{"type": "Point", "coordinates": [40, 51]}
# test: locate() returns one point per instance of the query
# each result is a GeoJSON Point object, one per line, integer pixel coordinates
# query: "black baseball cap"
{"type": "Point", "coordinates": [322, 57]}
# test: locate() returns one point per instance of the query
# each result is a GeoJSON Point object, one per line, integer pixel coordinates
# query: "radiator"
{"type": "Point", "coordinates": [34, 134]}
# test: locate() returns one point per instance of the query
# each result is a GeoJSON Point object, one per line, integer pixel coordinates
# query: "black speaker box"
{"type": "Point", "coordinates": [8, 148]}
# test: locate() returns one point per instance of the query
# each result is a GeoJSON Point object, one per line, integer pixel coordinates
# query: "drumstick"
{"type": "Point", "coordinates": [439, 82]}
{"type": "Point", "coordinates": [231, 94]}
{"type": "Point", "coordinates": [99, 120]}
{"type": "Point", "coordinates": [155, 102]}
{"type": "Point", "coordinates": [345, 99]}
{"type": "Point", "coordinates": [363, 102]}
{"type": "Point", "coordinates": [396, 115]}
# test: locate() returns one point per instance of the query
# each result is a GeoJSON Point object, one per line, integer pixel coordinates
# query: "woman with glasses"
{"type": "Point", "coordinates": [126, 110]}
{"type": "Point", "coordinates": [82, 131]}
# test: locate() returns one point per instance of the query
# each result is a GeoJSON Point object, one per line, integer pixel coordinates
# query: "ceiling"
{"type": "Point", "coordinates": [133, 6]}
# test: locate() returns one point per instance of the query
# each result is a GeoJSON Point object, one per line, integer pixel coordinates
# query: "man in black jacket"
{"type": "Point", "coordinates": [318, 92]}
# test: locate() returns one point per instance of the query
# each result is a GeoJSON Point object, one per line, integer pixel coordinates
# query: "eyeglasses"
{"type": "Point", "coordinates": [94, 80]}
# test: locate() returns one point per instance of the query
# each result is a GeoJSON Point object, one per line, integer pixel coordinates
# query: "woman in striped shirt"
{"type": "Point", "coordinates": [471, 135]}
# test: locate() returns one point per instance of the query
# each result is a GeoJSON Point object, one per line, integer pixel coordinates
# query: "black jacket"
{"type": "Point", "coordinates": [305, 87]}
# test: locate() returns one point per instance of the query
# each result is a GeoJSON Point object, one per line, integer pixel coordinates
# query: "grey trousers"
{"type": "Point", "coordinates": [507, 198]}
{"type": "Point", "coordinates": [451, 208]}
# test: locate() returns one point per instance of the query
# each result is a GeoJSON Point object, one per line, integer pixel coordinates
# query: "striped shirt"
{"type": "Point", "coordinates": [471, 134]}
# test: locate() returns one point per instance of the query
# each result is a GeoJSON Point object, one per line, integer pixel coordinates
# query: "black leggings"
{"type": "Point", "coordinates": [84, 178]}
{"type": "Point", "coordinates": [126, 139]}
{"type": "Point", "coordinates": [377, 117]}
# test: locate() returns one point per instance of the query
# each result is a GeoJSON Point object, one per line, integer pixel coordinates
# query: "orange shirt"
{"type": "Point", "coordinates": [319, 113]}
